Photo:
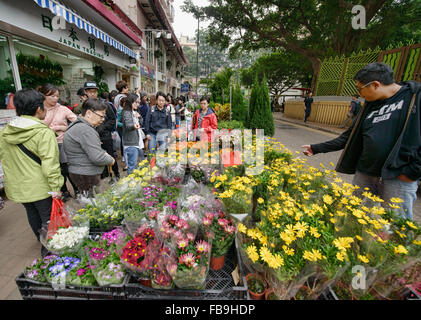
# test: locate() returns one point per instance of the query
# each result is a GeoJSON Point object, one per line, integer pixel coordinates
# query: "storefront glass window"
{"type": "Point", "coordinates": [39, 64]}
{"type": "Point", "coordinates": [7, 85]}
{"type": "Point", "coordinates": [149, 44]}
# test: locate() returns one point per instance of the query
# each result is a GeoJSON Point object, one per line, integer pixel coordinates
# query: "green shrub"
{"type": "Point", "coordinates": [261, 116]}
{"type": "Point", "coordinates": [239, 105]}
{"type": "Point", "coordinates": [230, 125]}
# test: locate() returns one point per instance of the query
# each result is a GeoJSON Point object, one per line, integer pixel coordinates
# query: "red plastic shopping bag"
{"type": "Point", "coordinates": [153, 160]}
{"type": "Point", "coordinates": [59, 218]}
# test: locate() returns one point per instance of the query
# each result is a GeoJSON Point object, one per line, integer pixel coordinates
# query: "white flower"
{"type": "Point", "coordinates": [190, 216]}
{"type": "Point", "coordinates": [68, 237]}
{"type": "Point", "coordinates": [193, 200]}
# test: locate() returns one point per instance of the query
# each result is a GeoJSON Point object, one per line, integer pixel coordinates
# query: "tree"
{"type": "Point", "coordinates": [313, 29]}
{"type": "Point", "coordinates": [212, 58]}
{"type": "Point", "coordinates": [260, 116]}
{"type": "Point", "coordinates": [219, 85]}
{"type": "Point", "coordinates": [190, 55]}
{"type": "Point", "coordinates": [283, 70]}
{"type": "Point", "coordinates": [238, 105]}
{"type": "Point", "coordinates": [268, 123]}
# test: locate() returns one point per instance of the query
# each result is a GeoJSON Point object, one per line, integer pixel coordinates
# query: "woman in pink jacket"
{"type": "Point", "coordinates": [57, 118]}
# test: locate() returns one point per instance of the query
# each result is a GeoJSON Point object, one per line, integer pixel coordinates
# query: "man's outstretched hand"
{"type": "Point", "coordinates": [308, 152]}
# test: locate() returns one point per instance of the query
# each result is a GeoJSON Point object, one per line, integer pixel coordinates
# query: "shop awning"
{"type": "Point", "coordinates": [71, 16]}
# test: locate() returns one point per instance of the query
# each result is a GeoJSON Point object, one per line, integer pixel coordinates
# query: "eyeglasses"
{"type": "Point", "coordinates": [99, 115]}
{"type": "Point", "coordinates": [366, 85]}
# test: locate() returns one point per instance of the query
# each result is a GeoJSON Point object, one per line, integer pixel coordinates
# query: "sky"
{"type": "Point", "coordinates": [185, 23]}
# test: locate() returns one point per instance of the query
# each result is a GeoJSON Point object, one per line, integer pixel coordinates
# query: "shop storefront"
{"type": "Point", "coordinates": [73, 51]}
{"type": "Point", "coordinates": [148, 79]}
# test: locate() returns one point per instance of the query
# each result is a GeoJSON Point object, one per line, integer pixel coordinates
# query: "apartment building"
{"type": "Point", "coordinates": [131, 40]}
{"type": "Point", "coordinates": [161, 60]}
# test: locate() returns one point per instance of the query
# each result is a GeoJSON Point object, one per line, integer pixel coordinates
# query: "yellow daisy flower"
{"type": "Point", "coordinates": [363, 258]}
{"type": "Point", "coordinates": [400, 249]}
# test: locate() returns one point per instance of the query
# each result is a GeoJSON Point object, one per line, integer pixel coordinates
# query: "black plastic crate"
{"type": "Point", "coordinates": [411, 294]}
{"type": "Point", "coordinates": [219, 285]}
{"type": "Point", "coordinates": [35, 290]}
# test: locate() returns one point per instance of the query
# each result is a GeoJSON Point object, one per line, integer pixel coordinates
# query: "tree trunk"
{"type": "Point", "coordinates": [315, 64]}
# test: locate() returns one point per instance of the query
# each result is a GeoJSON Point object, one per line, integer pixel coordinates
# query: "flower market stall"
{"type": "Point", "coordinates": [179, 231]}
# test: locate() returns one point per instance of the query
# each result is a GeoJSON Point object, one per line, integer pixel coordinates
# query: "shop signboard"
{"type": "Point", "coordinates": [147, 71]}
{"type": "Point", "coordinates": [38, 21]}
{"type": "Point", "coordinates": [185, 87]}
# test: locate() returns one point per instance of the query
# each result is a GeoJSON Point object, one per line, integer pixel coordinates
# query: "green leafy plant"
{"type": "Point", "coordinates": [230, 125]}
{"type": "Point", "coordinates": [98, 78]}
{"type": "Point", "coordinates": [272, 296]}
{"type": "Point", "coordinates": [222, 111]}
{"type": "Point", "coordinates": [38, 71]}
{"type": "Point", "coordinates": [256, 285]}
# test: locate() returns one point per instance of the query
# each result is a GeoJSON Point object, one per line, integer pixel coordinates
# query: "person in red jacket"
{"type": "Point", "coordinates": [10, 104]}
{"type": "Point", "coordinates": [205, 120]}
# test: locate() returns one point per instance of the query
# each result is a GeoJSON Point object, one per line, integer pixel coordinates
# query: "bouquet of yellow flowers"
{"type": "Point", "coordinates": [313, 230]}
{"type": "Point", "coordinates": [235, 191]}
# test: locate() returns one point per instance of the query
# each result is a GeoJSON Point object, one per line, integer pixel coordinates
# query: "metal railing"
{"type": "Point", "coordinates": [325, 112]}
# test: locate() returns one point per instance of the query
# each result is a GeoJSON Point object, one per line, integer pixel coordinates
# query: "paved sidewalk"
{"type": "Point", "coordinates": [313, 125]}
{"type": "Point", "coordinates": [18, 248]}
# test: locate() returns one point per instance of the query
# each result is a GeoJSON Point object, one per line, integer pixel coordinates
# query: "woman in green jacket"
{"type": "Point", "coordinates": [30, 160]}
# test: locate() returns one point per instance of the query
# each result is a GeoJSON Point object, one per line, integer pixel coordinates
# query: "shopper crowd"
{"type": "Point", "coordinates": [49, 144]}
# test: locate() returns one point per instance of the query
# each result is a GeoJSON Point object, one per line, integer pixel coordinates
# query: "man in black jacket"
{"type": "Point", "coordinates": [108, 125]}
{"type": "Point", "coordinates": [383, 145]}
{"type": "Point", "coordinates": [307, 106]}
{"type": "Point", "coordinates": [158, 124]}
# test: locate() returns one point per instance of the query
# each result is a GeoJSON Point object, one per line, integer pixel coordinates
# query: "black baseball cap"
{"type": "Point", "coordinates": [90, 85]}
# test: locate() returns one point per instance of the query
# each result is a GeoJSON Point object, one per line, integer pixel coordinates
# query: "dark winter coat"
{"type": "Point", "coordinates": [405, 156]}
{"type": "Point", "coordinates": [109, 124]}
{"type": "Point", "coordinates": [157, 120]}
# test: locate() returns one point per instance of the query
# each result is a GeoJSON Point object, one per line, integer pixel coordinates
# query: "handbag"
{"type": "Point", "coordinates": [116, 140]}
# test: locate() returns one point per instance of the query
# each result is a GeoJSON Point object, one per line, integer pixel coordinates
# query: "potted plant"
{"type": "Point", "coordinates": [223, 232]}
{"type": "Point", "coordinates": [137, 254]}
{"type": "Point", "coordinates": [158, 54]}
{"type": "Point", "coordinates": [270, 294]}
{"type": "Point", "coordinates": [235, 191]}
{"type": "Point", "coordinates": [256, 286]}
{"type": "Point", "coordinates": [188, 264]}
